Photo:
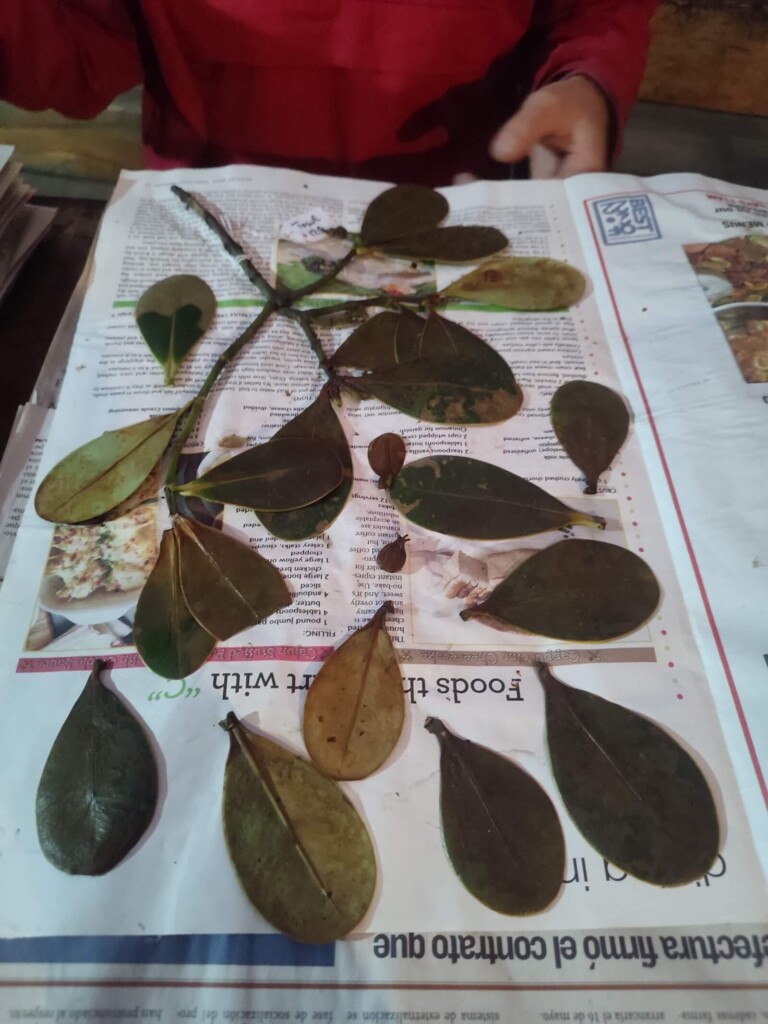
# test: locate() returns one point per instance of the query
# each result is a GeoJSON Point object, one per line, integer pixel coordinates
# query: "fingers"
{"type": "Point", "coordinates": [464, 178]}
{"type": "Point", "coordinates": [532, 123]}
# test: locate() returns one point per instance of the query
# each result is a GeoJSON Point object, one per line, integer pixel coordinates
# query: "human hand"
{"type": "Point", "coordinates": [562, 128]}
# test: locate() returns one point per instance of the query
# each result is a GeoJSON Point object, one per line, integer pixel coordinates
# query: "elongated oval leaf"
{"type": "Point", "coordinates": [634, 793]}
{"type": "Point", "coordinates": [227, 585]}
{"type": "Point", "coordinates": [460, 244]}
{"type": "Point", "coordinates": [99, 475]}
{"type": "Point", "coordinates": [591, 422]}
{"type": "Point", "coordinates": [168, 637]}
{"type": "Point", "coordinates": [172, 315]}
{"type": "Point", "coordinates": [355, 708]}
{"type": "Point", "coordinates": [575, 590]}
{"type": "Point", "coordinates": [400, 211]}
{"type": "Point", "coordinates": [521, 282]}
{"type": "Point", "coordinates": [465, 497]}
{"type": "Point", "coordinates": [300, 849]}
{"type": "Point", "coordinates": [500, 829]}
{"type": "Point", "coordinates": [319, 422]}
{"type": "Point", "coordinates": [285, 473]}
{"type": "Point", "coordinates": [98, 791]}
{"type": "Point", "coordinates": [437, 390]}
{"type": "Point", "coordinates": [386, 455]}
{"type": "Point", "coordinates": [384, 340]}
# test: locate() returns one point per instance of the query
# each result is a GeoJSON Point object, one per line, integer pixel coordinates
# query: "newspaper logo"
{"type": "Point", "coordinates": [626, 219]}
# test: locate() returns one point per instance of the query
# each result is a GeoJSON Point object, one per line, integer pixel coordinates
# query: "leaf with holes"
{"type": "Point", "coordinates": [632, 790]}
{"type": "Point", "coordinates": [465, 497]}
{"type": "Point", "coordinates": [300, 849]}
{"type": "Point", "coordinates": [172, 316]}
{"type": "Point", "coordinates": [521, 282]}
{"type": "Point", "coordinates": [501, 831]}
{"type": "Point", "coordinates": [98, 791]}
{"type": "Point", "coordinates": [227, 585]}
{"type": "Point", "coordinates": [574, 590]}
{"type": "Point", "coordinates": [168, 637]}
{"type": "Point", "coordinates": [591, 422]}
{"type": "Point", "coordinates": [355, 708]}
{"type": "Point", "coordinates": [96, 477]}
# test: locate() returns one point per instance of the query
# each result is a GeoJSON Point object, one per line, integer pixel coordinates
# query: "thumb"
{"type": "Point", "coordinates": [519, 135]}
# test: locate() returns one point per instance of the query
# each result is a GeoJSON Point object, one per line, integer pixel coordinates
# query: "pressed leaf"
{"type": "Point", "coordinates": [355, 708]}
{"type": "Point", "coordinates": [591, 422]}
{"type": "Point", "coordinates": [402, 210]}
{"type": "Point", "coordinates": [227, 585]}
{"type": "Point", "coordinates": [386, 455]}
{"type": "Point", "coordinates": [319, 422]}
{"type": "Point", "coordinates": [500, 829]}
{"type": "Point", "coordinates": [172, 315]}
{"type": "Point", "coordinates": [575, 590]}
{"type": "Point", "coordinates": [634, 793]}
{"type": "Point", "coordinates": [392, 556]}
{"type": "Point", "coordinates": [521, 282]}
{"type": "Point", "coordinates": [465, 497]}
{"type": "Point", "coordinates": [459, 244]}
{"type": "Point", "coordinates": [98, 791]}
{"type": "Point", "coordinates": [285, 473]}
{"type": "Point", "coordinates": [168, 637]}
{"type": "Point", "coordinates": [99, 475]}
{"type": "Point", "coordinates": [384, 340]}
{"type": "Point", "coordinates": [300, 849]}
{"type": "Point", "coordinates": [438, 390]}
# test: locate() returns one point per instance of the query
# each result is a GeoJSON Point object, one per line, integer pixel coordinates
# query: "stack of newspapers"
{"type": "Point", "coordinates": [22, 225]}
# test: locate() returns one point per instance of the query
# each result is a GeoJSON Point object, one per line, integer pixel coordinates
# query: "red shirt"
{"type": "Point", "coordinates": [393, 89]}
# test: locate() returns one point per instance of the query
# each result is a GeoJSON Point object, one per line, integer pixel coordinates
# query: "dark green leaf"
{"type": "Point", "coordinates": [460, 244]}
{"type": "Point", "coordinates": [384, 340]}
{"type": "Point", "coordinates": [355, 708]}
{"type": "Point", "coordinates": [392, 556]}
{"type": "Point", "coordinates": [468, 498]}
{"type": "Point", "coordinates": [402, 210]}
{"type": "Point", "coordinates": [99, 475]}
{"type": "Point", "coordinates": [521, 282]}
{"type": "Point", "coordinates": [172, 315]}
{"type": "Point", "coordinates": [300, 849]}
{"type": "Point", "coordinates": [227, 585]}
{"type": "Point", "coordinates": [591, 423]}
{"type": "Point", "coordinates": [631, 789]}
{"type": "Point", "coordinates": [284, 473]}
{"type": "Point", "coordinates": [168, 637]}
{"type": "Point", "coordinates": [320, 422]}
{"type": "Point", "coordinates": [386, 455]}
{"type": "Point", "coordinates": [461, 391]}
{"type": "Point", "coordinates": [501, 832]}
{"type": "Point", "coordinates": [575, 590]}
{"type": "Point", "coordinates": [98, 791]}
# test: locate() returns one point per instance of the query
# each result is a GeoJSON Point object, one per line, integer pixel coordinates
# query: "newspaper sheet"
{"type": "Point", "coordinates": [692, 668]}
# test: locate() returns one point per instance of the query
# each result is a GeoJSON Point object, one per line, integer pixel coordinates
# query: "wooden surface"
{"type": "Point", "coordinates": [30, 312]}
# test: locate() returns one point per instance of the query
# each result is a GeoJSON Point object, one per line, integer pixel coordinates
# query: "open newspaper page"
{"type": "Point", "coordinates": [61, 610]}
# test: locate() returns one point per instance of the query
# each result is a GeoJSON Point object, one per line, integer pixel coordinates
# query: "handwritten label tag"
{"type": "Point", "coordinates": [308, 226]}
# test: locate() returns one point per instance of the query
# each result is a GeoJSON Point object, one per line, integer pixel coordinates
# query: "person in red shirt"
{"type": "Point", "coordinates": [400, 90]}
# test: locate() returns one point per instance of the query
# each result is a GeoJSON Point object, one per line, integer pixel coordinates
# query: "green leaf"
{"type": "Point", "coordinates": [521, 282]}
{"type": "Point", "coordinates": [500, 829]}
{"type": "Point", "coordinates": [591, 422]}
{"type": "Point", "coordinates": [285, 473]}
{"type": "Point", "coordinates": [98, 791]}
{"type": "Point", "coordinates": [402, 210]}
{"type": "Point", "coordinates": [384, 340]}
{"type": "Point", "coordinates": [634, 794]}
{"type": "Point", "coordinates": [99, 475]}
{"type": "Point", "coordinates": [460, 244]}
{"type": "Point", "coordinates": [168, 637]}
{"type": "Point", "coordinates": [386, 455]}
{"type": "Point", "coordinates": [300, 849]}
{"type": "Point", "coordinates": [436, 390]}
{"type": "Point", "coordinates": [575, 590]}
{"type": "Point", "coordinates": [465, 497]}
{"type": "Point", "coordinates": [227, 585]}
{"type": "Point", "coordinates": [355, 708]}
{"type": "Point", "coordinates": [172, 315]}
{"type": "Point", "coordinates": [319, 422]}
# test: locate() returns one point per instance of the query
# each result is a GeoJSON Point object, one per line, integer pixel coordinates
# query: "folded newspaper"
{"type": "Point", "coordinates": [674, 319]}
